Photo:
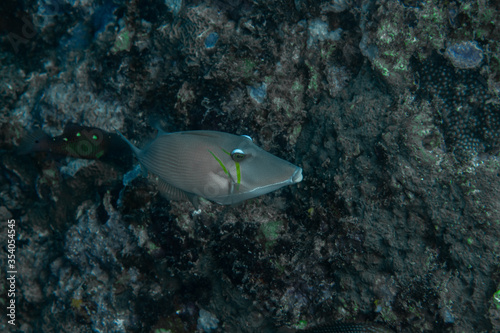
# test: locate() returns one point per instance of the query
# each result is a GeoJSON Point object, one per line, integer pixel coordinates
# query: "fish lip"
{"type": "Point", "coordinates": [297, 175]}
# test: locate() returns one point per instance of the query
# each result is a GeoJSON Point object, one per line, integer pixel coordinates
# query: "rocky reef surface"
{"type": "Point", "coordinates": [390, 107]}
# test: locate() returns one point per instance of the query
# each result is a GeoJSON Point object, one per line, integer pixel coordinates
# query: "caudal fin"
{"type": "Point", "coordinates": [34, 141]}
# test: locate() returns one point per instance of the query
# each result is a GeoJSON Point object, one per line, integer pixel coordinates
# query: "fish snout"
{"type": "Point", "coordinates": [297, 176]}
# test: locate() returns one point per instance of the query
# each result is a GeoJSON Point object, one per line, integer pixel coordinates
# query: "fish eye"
{"type": "Point", "coordinates": [238, 155]}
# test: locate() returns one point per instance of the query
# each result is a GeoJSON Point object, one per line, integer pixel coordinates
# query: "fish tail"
{"type": "Point", "coordinates": [136, 150]}
{"type": "Point", "coordinates": [34, 142]}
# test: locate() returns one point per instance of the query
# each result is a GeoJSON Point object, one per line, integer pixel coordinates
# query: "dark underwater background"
{"type": "Point", "coordinates": [390, 107]}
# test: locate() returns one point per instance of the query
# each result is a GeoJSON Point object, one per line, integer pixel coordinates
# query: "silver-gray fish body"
{"type": "Point", "coordinates": [222, 167]}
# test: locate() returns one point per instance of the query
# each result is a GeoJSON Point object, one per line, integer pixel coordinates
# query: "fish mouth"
{"type": "Point", "coordinates": [297, 175]}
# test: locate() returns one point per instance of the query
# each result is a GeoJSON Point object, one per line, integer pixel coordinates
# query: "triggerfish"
{"type": "Point", "coordinates": [221, 167]}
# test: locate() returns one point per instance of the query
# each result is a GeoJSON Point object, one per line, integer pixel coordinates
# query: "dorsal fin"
{"type": "Point", "coordinates": [160, 131]}
{"type": "Point", "coordinates": [136, 150]}
{"type": "Point", "coordinates": [156, 123]}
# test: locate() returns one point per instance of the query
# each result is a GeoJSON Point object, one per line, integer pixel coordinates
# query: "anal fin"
{"type": "Point", "coordinates": [173, 193]}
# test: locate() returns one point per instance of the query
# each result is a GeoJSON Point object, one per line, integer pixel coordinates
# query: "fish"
{"type": "Point", "coordinates": [76, 141]}
{"type": "Point", "coordinates": [221, 167]}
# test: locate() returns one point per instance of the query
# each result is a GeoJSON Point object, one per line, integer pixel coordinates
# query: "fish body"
{"type": "Point", "coordinates": [221, 167]}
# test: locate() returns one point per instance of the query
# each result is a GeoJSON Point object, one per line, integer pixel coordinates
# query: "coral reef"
{"type": "Point", "coordinates": [465, 55]}
{"type": "Point", "coordinates": [469, 112]}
